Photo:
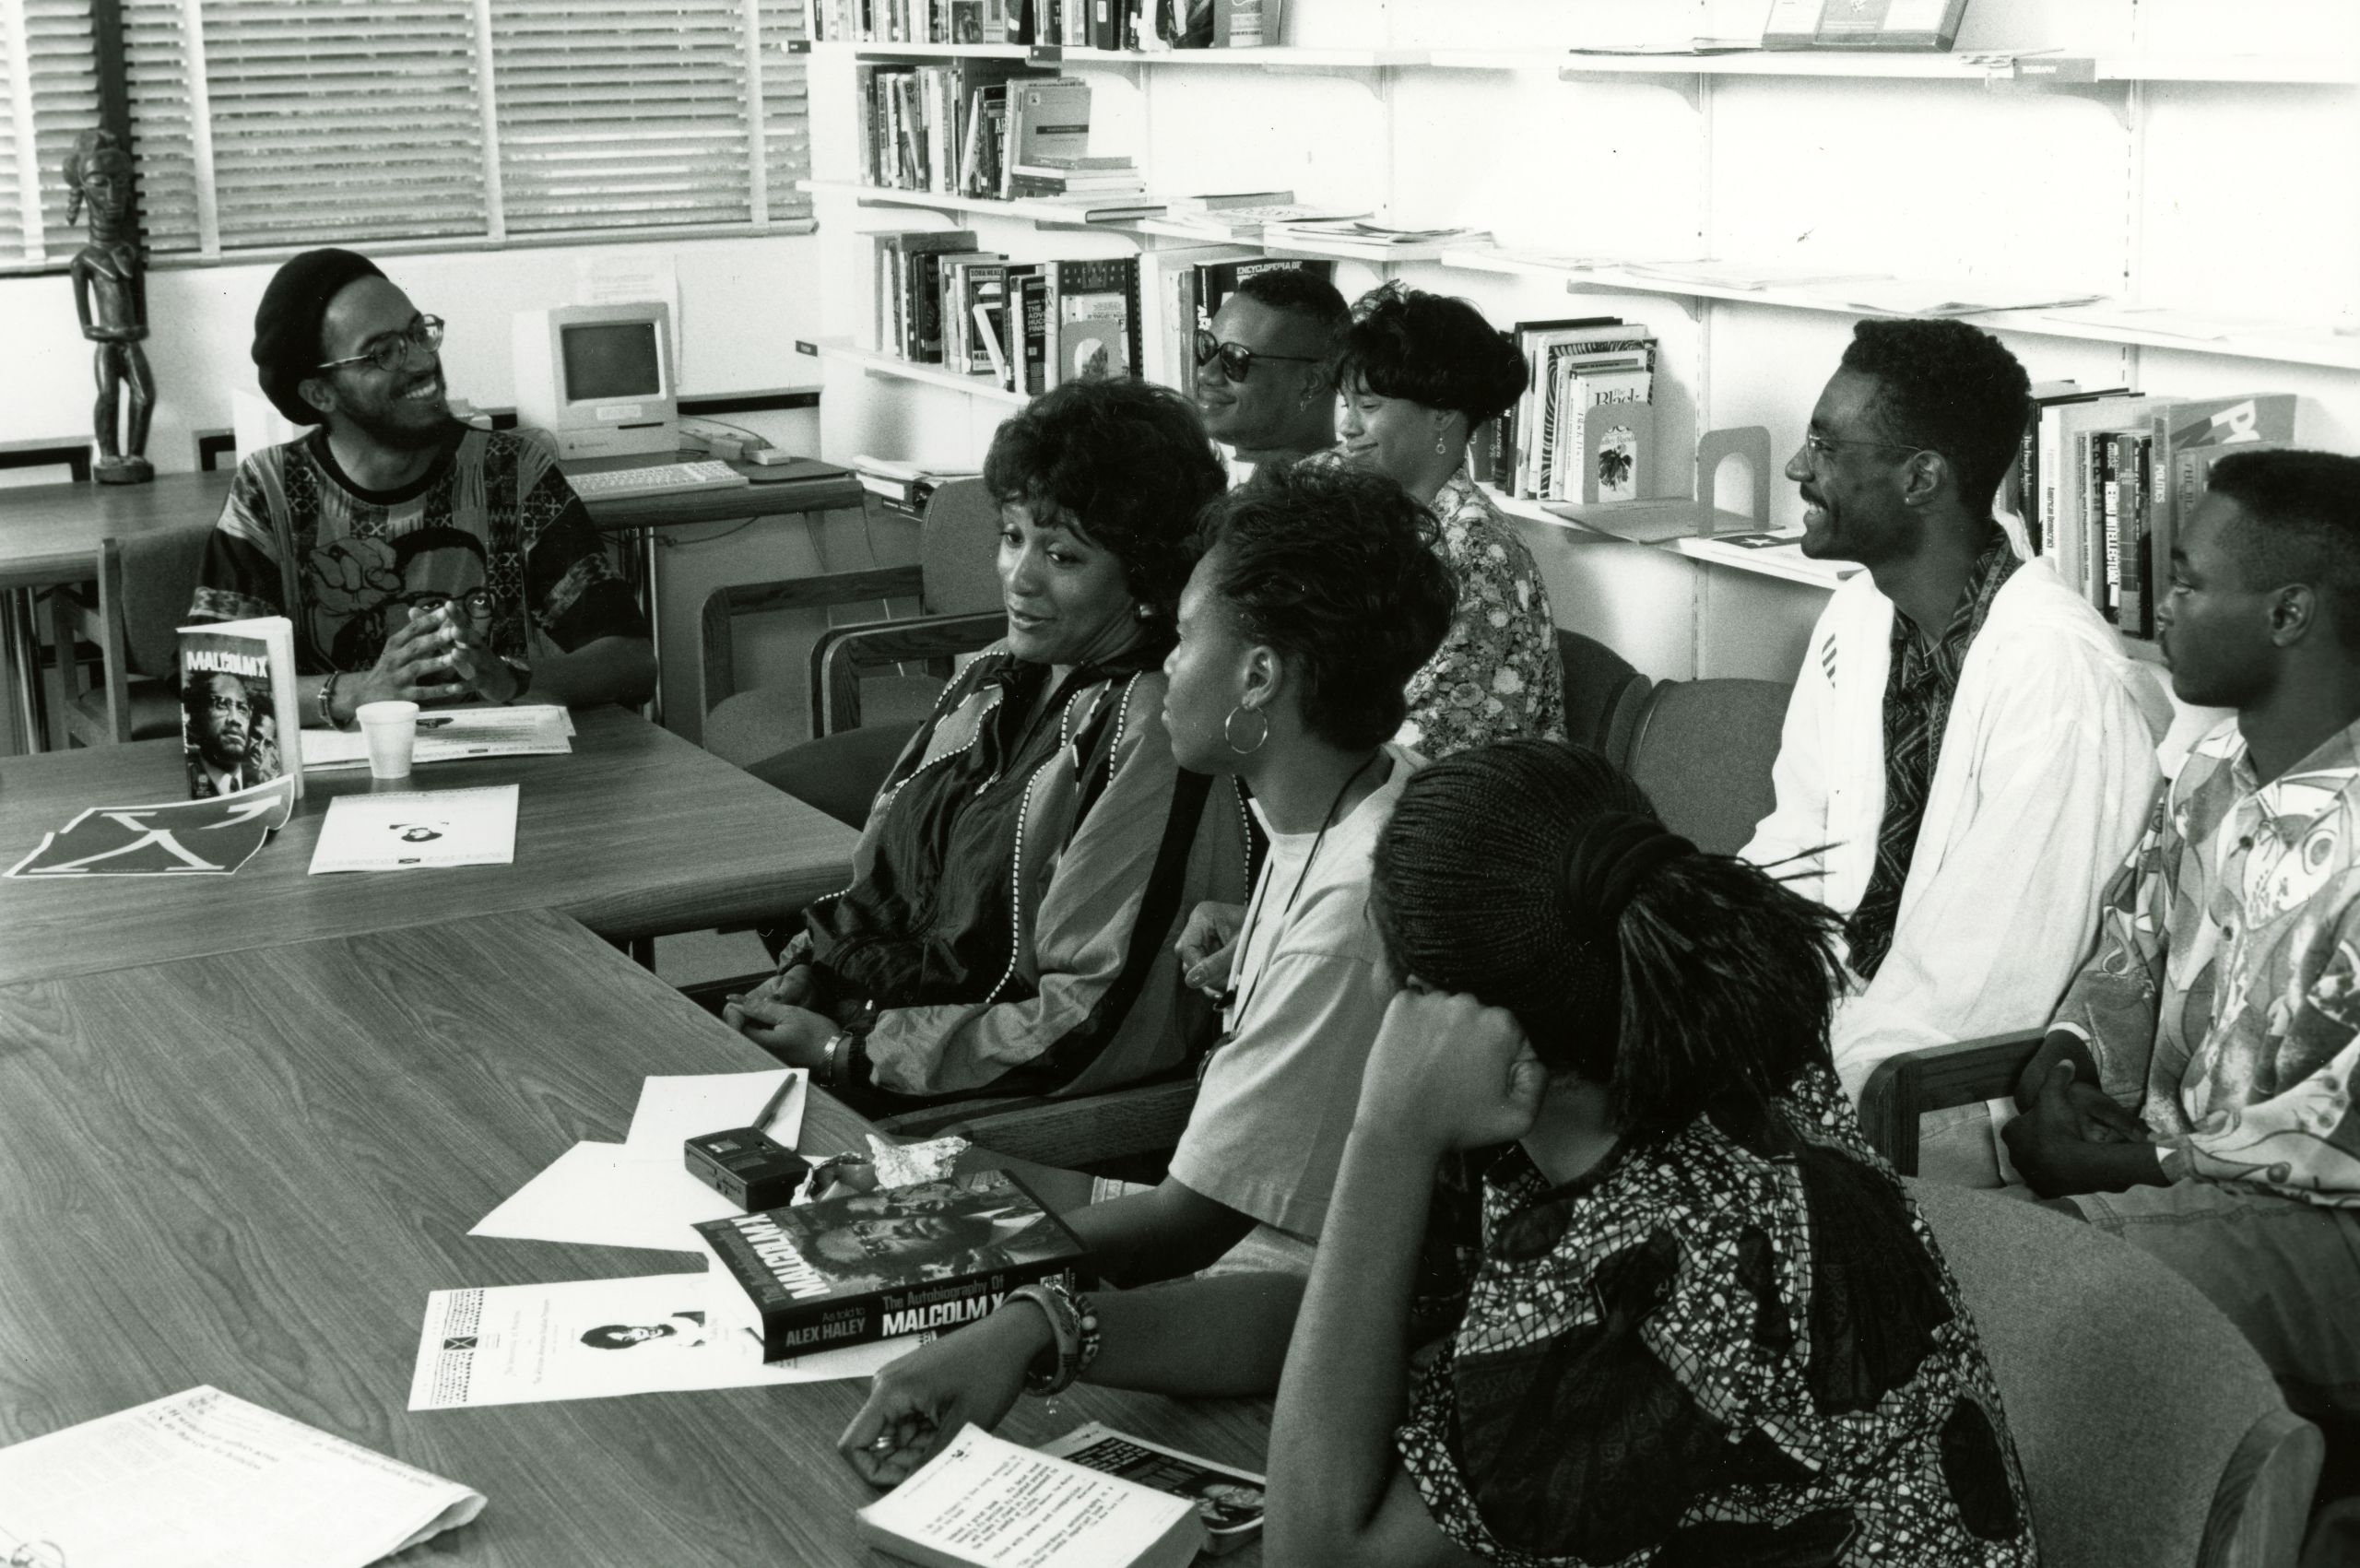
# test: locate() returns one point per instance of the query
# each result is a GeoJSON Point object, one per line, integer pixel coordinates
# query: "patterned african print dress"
{"type": "Point", "coordinates": [1709, 1350]}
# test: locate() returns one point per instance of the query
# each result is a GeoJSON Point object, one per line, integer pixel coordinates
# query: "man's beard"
{"type": "Point", "coordinates": [398, 436]}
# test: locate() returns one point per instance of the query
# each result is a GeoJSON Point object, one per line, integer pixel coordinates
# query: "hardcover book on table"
{"type": "Point", "coordinates": [238, 723]}
{"type": "Point", "coordinates": [875, 1266]}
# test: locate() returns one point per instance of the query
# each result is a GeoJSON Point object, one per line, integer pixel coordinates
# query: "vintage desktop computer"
{"type": "Point", "coordinates": [598, 378]}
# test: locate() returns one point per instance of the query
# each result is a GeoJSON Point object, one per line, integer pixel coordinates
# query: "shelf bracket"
{"type": "Point", "coordinates": [2114, 97]}
{"type": "Point", "coordinates": [1689, 85]}
{"type": "Point", "coordinates": [1368, 79]}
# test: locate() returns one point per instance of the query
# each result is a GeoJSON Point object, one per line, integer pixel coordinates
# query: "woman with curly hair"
{"type": "Point", "coordinates": [1418, 375]}
{"type": "Point", "coordinates": [1032, 854]}
{"type": "Point", "coordinates": [1679, 1312]}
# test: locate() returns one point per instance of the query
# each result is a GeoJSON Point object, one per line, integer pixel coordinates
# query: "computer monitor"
{"type": "Point", "coordinates": [598, 378]}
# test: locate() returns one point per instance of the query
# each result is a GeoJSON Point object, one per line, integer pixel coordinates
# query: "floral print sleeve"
{"type": "Point", "coordinates": [1496, 675]}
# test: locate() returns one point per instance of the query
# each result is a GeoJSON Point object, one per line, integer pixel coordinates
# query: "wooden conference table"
{"type": "Point", "coordinates": [249, 1170]}
{"type": "Point", "coordinates": [635, 833]}
{"type": "Point", "coordinates": [51, 534]}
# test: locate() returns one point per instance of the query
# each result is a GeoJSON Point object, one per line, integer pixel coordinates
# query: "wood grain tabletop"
{"type": "Point", "coordinates": [636, 833]}
{"type": "Point", "coordinates": [250, 1169]}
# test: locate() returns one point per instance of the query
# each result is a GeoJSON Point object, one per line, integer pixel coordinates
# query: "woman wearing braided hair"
{"type": "Point", "coordinates": [1684, 1315]}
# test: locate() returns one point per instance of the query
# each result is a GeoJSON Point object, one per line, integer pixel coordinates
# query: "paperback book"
{"type": "Point", "coordinates": [238, 723]}
{"type": "Point", "coordinates": [985, 1501]}
{"type": "Point", "coordinates": [876, 1266]}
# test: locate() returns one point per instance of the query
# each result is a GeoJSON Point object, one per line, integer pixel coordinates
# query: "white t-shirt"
{"type": "Point", "coordinates": [1277, 1097]}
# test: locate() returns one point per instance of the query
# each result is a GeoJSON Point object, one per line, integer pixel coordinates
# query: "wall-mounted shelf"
{"type": "Point", "coordinates": [1052, 55]}
{"type": "Point", "coordinates": [894, 366]}
{"type": "Point", "coordinates": [2184, 333]}
{"type": "Point", "coordinates": [1979, 67]}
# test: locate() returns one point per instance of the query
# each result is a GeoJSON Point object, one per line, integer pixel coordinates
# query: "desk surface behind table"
{"type": "Point", "coordinates": [250, 1170]}
{"type": "Point", "coordinates": [635, 833]}
{"type": "Point", "coordinates": [49, 532]}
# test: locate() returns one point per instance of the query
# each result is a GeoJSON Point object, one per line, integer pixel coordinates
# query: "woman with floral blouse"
{"type": "Point", "coordinates": [1418, 375]}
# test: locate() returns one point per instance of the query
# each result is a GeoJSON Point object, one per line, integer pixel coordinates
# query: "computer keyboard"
{"type": "Point", "coordinates": [655, 478]}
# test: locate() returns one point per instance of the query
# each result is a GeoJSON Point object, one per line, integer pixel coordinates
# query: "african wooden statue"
{"type": "Point", "coordinates": [111, 294]}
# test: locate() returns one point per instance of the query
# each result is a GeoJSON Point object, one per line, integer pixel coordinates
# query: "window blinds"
{"type": "Point", "coordinates": [268, 126]}
{"type": "Point", "coordinates": [48, 96]}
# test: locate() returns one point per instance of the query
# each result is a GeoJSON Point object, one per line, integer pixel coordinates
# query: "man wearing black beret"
{"type": "Point", "coordinates": [419, 557]}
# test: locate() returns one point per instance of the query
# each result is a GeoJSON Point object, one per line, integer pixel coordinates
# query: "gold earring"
{"type": "Point", "coordinates": [1261, 738]}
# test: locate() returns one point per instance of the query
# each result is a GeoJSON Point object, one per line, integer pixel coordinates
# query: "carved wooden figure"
{"type": "Point", "coordinates": [111, 294]}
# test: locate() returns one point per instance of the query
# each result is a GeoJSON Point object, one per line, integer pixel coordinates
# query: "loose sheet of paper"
{"type": "Point", "coordinates": [674, 1109]}
{"type": "Point", "coordinates": [597, 1339]}
{"type": "Point", "coordinates": [204, 1479]}
{"type": "Point", "coordinates": [534, 730]}
{"type": "Point", "coordinates": [416, 828]}
{"type": "Point", "coordinates": [183, 838]}
{"type": "Point", "coordinates": [639, 1193]}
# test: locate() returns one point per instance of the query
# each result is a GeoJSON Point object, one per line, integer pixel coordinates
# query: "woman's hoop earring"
{"type": "Point", "coordinates": [1442, 447]}
{"type": "Point", "coordinates": [1260, 739]}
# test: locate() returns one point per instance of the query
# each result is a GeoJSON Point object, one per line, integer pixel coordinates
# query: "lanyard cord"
{"type": "Point", "coordinates": [1245, 938]}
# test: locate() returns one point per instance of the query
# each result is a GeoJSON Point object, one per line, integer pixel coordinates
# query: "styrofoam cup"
{"type": "Point", "coordinates": [392, 729]}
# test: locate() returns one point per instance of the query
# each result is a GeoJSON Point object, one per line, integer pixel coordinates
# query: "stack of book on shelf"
{"type": "Point", "coordinates": [1363, 241]}
{"type": "Point", "coordinates": [1025, 325]}
{"type": "Point", "coordinates": [1069, 23]}
{"type": "Point", "coordinates": [2105, 479]}
{"type": "Point", "coordinates": [1095, 189]}
{"type": "Point", "coordinates": [941, 128]}
{"type": "Point", "coordinates": [1584, 430]}
{"type": "Point", "coordinates": [1246, 216]}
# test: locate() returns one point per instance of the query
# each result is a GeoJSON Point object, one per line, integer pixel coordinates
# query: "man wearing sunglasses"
{"type": "Point", "coordinates": [331, 530]}
{"type": "Point", "coordinates": [1964, 762]}
{"type": "Point", "coordinates": [1263, 380]}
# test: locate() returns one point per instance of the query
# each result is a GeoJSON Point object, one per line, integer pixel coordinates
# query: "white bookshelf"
{"type": "Point", "coordinates": [2115, 149]}
{"type": "Point", "coordinates": [892, 367]}
{"type": "Point", "coordinates": [1979, 67]}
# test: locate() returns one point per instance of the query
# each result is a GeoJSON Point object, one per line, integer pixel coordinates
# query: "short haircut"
{"type": "Point", "coordinates": [2302, 524]}
{"type": "Point", "coordinates": [1432, 349]}
{"type": "Point", "coordinates": [1951, 388]}
{"type": "Point", "coordinates": [1301, 293]}
{"type": "Point", "coordinates": [1128, 463]}
{"type": "Point", "coordinates": [196, 692]}
{"type": "Point", "coordinates": [1336, 569]}
{"type": "Point", "coordinates": [1710, 988]}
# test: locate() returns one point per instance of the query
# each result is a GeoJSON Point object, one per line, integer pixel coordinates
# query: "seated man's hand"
{"type": "Point", "coordinates": [2064, 1143]}
{"type": "Point", "coordinates": [409, 668]}
{"type": "Point", "coordinates": [1207, 946]}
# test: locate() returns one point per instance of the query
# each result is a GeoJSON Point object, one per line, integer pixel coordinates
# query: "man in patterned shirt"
{"type": "Point", "coordinates": [2224, 999]}
{"type": "Point", "coordinates": [1965, 761]}
{"type": "Point", "coordinates": [420, 558]}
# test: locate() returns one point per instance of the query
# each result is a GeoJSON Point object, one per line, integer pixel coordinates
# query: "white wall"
{"type": "Point", "coordinates": [2240, 201]}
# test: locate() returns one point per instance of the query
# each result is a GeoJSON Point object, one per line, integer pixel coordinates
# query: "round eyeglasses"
{"type": "Point", "coordinates": [390, 351]}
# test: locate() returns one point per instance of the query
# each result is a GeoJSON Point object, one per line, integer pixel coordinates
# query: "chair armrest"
{"type": "Point", "coordinates": [1145, 1119]}
{"type": "Point", "coordinates": [1905, 1087]}
{"type": "Point", "coordinates": [723, 605]}
{"type": "Point", "coordinates": [842, 652]}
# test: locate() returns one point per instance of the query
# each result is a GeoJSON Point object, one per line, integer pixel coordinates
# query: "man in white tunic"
{"type": "Point", "coordinates": [1964, 762]}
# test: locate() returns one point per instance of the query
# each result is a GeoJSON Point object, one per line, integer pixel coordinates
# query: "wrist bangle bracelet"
{"type": "Point", "coordinates": [1065, 1329]}
{"type": "Point", "coordinates": [328, 699]}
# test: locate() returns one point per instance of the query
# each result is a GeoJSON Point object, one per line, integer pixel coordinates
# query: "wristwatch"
{"type": "Point", "coordinates": [524, 674]}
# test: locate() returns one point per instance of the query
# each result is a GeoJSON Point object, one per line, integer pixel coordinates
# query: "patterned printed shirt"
{"type": "Point", "coordinates": [1711, 1349]}
{"type": "Point", "coordinates": [2224, 993]}
{"type": "Point", "coordinates": [1917, 711]}
{"type": "Point", "coordinates": [492, 526]}
{"type": "Point", "coordinates": [1496, 676]}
